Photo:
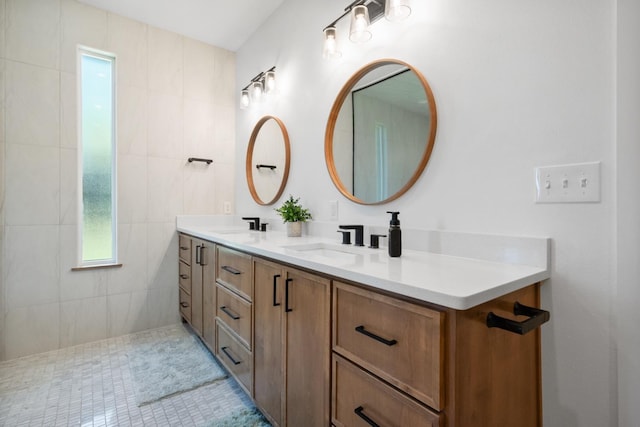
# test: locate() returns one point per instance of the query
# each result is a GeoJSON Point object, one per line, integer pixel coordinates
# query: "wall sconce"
{"type": "Point", "coordinates": [259, 86]}
{"type": "Point", "coordinates": [363, 14]}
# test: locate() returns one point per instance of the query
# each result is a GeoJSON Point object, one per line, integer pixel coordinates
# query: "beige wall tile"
{"type": "Point", "coordinates": [32, 102]}
{"type": "Point", "coordinates": [165, 130]}
{"type": "Point", "coordinates": [199, 70]}
{"type": "Point", "coordinates": [132, 250]}
{"type": "Point", "coordinates": [32, 187]}
{"type": "Point", "coordinates": [165, 62]}
{"type": "Point", "coordinates": [133, 120]}
{"type": "Point", "coordinates": [68, 110]}
{"type": "Point", "coordinates": [165, 189]}
{"type": "Point", "coordinates": [31, 265]}
{"type": "Point", "coordinates": [224, 93]}
{"type": "Point", "coordinates": [80, 24]}
{"type": "Point", "coordinates": [83, 321]}
{"type": "Point", "coordinates": [199, 129]}
{"type": "Point", "coordinates": [127, 313]}
{"type": "Point", "coordinates": [31, 330]}
{"type": "Point", "coordinates": [127, 39]}
{"type": "Point", "coordinates": [163, 251]}
{"type": "Point", "coordinates": [199, 193]}
{"type": "Point", "coordinates": [161, 307]}
{"type": "Point", "coordinates": [224, 186]}
{"type": "Point", "coordinates": [132, 189]}
{"type": "Point", "coordinates": [69, 186]}
{"type": "Point", "coordinates": [32, 31]}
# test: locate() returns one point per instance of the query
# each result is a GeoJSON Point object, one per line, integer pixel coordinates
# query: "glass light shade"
{"type": "Point", "coordinates": [269, 81]}
{"type": "Point", "coordinates": [244, 99]}
{"type": "Point", "coordinates": [397, 10]}
{"type": "Point", "coordinates": [256, 91]}
{"type": "Point", "coordinates": [359, 32]}
{"type": "Point", "coordinates": [330, 48]}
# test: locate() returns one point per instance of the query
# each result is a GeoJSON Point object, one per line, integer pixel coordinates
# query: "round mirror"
{"type": "Point", "coordinates": [380, 132]}
{"type": "Point", "coordinates": [267, 164]}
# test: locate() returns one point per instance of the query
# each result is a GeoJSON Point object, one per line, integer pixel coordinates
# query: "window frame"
{"type": "Point", "coordinates": [81, 52]}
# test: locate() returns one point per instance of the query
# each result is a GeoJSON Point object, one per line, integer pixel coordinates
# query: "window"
{"type": "Point", "coordinates": [97, 158]}
{"type": "Point", "coordinates": [382, 167]}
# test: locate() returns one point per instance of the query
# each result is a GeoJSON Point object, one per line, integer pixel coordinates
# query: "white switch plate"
{"type": "Point", "coordinates": [226, 207]}
{"type": "Point", "coordinates": [333, 210]}
{"type": "Point", "coordinates": [575, 183]}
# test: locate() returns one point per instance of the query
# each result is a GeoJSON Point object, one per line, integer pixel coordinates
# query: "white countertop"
{"type": "Point", "coordinates": [451, 281]}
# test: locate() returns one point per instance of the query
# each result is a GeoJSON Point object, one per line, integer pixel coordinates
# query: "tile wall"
{"type": "Point", "coordinates": [175, 99]}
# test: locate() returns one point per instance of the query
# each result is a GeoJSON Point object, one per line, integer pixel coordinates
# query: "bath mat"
{"type": "Point", "coordinates": [168, 361]}
{"type": "Point", "coordinates": [244, 418]}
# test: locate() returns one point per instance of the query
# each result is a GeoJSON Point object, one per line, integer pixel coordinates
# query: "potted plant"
{"type": "Point", "coordinates": [293, 215]}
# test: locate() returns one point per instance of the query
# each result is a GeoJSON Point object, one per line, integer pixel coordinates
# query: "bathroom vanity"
{"type": "Point", "coordinates": [319, 334]}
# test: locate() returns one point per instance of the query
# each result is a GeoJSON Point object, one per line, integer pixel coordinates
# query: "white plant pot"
{"type": "Point", "coordinates": [294, 229]}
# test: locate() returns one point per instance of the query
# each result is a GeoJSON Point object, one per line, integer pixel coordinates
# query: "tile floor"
{"type": "Point", "coordinates": [91, 385]}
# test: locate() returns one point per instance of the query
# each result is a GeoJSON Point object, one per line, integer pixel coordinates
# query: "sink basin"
{"type": "Point", "coordinates": [229, 230]}
{"type": "Point", "coordinates": [326, 250]}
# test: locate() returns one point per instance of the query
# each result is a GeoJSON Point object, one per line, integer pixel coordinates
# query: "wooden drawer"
{"type": "Point", "coordinates": [184, 277]}
{"type": "Point", "coordinates": [398, 341]}
{"type": "Point", "coordinates": [234, 271]}
{"type": "Point", "coordinates": [235, 312]}
{"type": "Point", "coordinates": [185, 305]}
{"type": "Point", "coordinates": [358, 395]}
{"type": "Point", "coordinates": [234, 356]}
{"type": "Point", "coordinates": [184, 248]}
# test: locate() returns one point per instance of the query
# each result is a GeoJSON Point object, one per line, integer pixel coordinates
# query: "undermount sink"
{"type": "Point", "coordinates": [326, 250]}
{"type": "Point", "coordinates": [229, 230]}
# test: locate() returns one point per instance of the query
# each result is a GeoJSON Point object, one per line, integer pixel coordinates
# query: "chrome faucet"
{"type": "Point", "coordinates": [359, 233]}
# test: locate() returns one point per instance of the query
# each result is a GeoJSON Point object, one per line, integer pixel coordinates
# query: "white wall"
{"type": "Point", "coordinates": [628, 211]}
{"type": "Point", "coordinates": [517, 85]}
{"type": "Point", "coordinates": [175, 99]}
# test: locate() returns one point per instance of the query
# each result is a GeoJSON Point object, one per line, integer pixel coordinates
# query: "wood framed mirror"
{"type": "Point", "coordinates": [381, 132]}
{"type": "Point", "coordinates": [268, 157]}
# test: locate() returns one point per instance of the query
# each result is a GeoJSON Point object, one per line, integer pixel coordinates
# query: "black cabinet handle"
{"type": "Point", "coordinates": [198, 254]}
{"type": "Point", "coordinates": [536, 318]}
{"type": "Point", "coordinates": [184, 304]}
{"type": "Point", "coordinates": [202, 257]}
{"type": "Point", "coordinates": [286, 295]}
{"type": "Point", "coordinates": [360, 412]}
{"type": "Point", "coordinates": [378, 338]}
{"type": "Point", "coordinates": [229, 313]}
{"type": "Point", "coordinates": [184, 276]}
{"type": "Point", "coordinates": [275, 284]}
{"type": "Point", "coordinates": [184, 248]}
{"type": "Point", "coordinates": [226, 353]}
{"type": "Point", "coordinates": [231, 270]}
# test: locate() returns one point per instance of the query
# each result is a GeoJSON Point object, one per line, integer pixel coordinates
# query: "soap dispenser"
{"type": "Point", "coordinates": [395, 235]}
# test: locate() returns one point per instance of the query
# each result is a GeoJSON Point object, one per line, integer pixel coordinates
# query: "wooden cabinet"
{"type": "Point", "coordinates": [450, 363]}
{"type": "Point", "coordinates": [292, 345]}
{"type": "Point", "coordinates": [234, 319]}
{"type": "Point", "coordinates": [197, 285]}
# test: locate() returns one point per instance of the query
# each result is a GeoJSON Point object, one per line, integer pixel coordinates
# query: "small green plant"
{"type": "Point", "coordinates": [292, 211]}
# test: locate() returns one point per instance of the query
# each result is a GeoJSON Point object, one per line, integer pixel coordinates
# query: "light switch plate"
{"type": "Point", "coordinates": [574, 183]}
{"type": "Point", "coordinates": [333, 210]}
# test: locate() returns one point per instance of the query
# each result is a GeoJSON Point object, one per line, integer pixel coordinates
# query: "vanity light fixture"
{"type": "Point", "coordinates": [363, 14]}
{"type": "Point", "coordinates": [262, 84]}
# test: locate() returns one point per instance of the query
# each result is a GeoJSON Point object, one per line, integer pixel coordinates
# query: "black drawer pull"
{"type": "Point", "coordinates": [184, 248]}
{"type": "Point", "coordinates": [275, 284]}
{"type": "Point", "coordinates": [536, 318]}
{"type": "Point", "coordinates": [226, 353]}
{"type": "Point", "coordinates": [286, 295]}
{"type": "Point", "coordinates": [231, 270]}
{"type": "Point", "coordinates": [360, 412]}
{"type": "Point", "coordinates": [184, 304]}
{"type": "Point", "coordinates": [363, 331]}
{"type": "Point", "coordinates": [229, 313]}
{"type": "Point", "coordinates": [184, 276]}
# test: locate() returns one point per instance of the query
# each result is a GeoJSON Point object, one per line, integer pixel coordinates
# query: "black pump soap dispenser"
{"type": "Point", "coordinates": [395, 235]}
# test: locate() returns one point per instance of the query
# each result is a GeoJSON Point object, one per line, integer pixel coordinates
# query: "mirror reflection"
{"type": "Point", "coordinates": [267, 165]}
{"type": "Point", "coordinates": [380, 132]}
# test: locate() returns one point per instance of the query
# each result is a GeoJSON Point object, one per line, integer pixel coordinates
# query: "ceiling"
{"type": "Point", "coordinates": [227, 24]}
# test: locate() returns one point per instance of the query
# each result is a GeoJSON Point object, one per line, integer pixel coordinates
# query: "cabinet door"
{"type": "Point", "coordinates": [307, 311]}
{"type": "Point", "coordinates": [268, 344]}
{"type": "Point", "coordinates": [209, 296]}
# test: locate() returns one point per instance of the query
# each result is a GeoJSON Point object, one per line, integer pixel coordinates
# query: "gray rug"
{"type": "Point", "coordinates": [174, 363]}
{"type": "Point", "coordinates": [244, 418]}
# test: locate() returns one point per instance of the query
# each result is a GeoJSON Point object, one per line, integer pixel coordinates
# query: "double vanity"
{"type": "Point", "coordinates": [321, 334]}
